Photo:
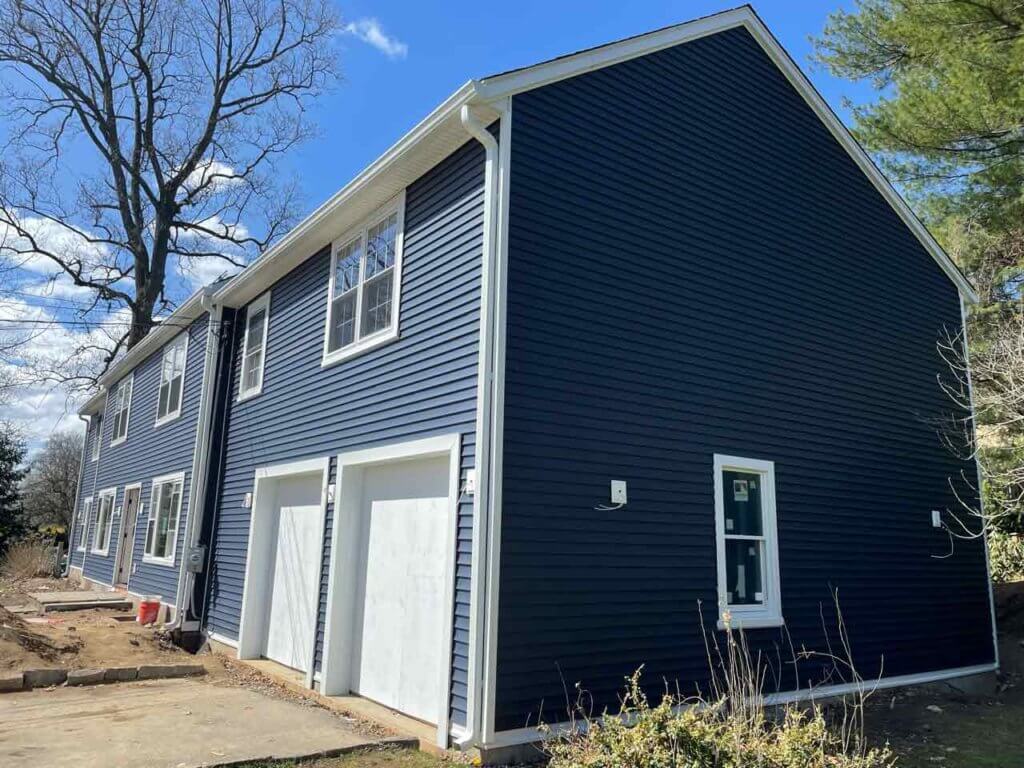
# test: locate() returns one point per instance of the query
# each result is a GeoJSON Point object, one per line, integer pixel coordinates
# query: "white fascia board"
{"type": "Point", "coordinates": [318, 229]}
{"type": "Point", "coordinates": [165, 331]}
{"type": "Point", "coordinates": [518, 81]}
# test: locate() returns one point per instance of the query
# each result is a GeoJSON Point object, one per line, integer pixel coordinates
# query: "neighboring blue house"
{"type": "Point", "coordinates": [140, 458]}
{"type": "Point", "coordinates": [606, 354]}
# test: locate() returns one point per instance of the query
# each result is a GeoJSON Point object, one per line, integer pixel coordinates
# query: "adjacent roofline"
{"type": "Point", "coordinates": [167, 329]}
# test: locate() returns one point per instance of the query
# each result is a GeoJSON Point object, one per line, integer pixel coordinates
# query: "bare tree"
{"type": "Point", "coordinates": [140, 132]}
{"type": "Point", "coordinates": [996, 371]}
{"type": "Point", "coordinates": [48, 490]}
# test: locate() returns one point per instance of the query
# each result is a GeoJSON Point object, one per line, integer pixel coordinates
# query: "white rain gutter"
{"type": "Point", "coordinates": [197, 483]}
{"type": "Point", "coordinates": [484, 390]}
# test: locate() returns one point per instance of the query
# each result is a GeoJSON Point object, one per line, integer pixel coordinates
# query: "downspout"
{"type": "Point", "coordinates": [977, 468]}
{"type": "Point", "coordinates": [484, 413]}
{"type": "Point", "coordinates": [78, 497]}
{"type": "Point", "coordinates": [197, 483]}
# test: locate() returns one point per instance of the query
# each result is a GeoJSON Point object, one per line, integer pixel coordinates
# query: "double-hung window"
{"type": "Point", "coordinates": [122, 402]}
{"type": "Point", "coordinates": [748, 551]}
{"type": "Point", "coordinates": [172, 380]}
{"type": "Point", "coordinates": [363, 297]}
{"type": "Point", "coordinates": [104, 521]}
{"type": "Point", "coordinates": [254, 347]}
{"type": "Point", "coordinates": [83, 523]}
{"type": "Point", "coordinates": [96, 434]}
{"type": "Point", "coordinates": [162, 525]}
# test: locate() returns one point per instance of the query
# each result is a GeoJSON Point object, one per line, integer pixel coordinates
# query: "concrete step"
{"type": "Point", "coordinates": [113, 605]}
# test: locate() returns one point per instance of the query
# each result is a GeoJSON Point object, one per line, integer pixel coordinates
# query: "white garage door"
{"type": "Point", "coordinates": [296, 577]}
{"type": "Point", "coordinates": [401, 614]}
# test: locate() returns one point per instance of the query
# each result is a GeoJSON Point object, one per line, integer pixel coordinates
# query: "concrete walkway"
{"type": "Point", "coordinates": [172, 723]}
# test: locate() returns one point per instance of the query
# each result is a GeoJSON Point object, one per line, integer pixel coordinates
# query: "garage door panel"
{"type": "Point", "coordinates": [403, 616]}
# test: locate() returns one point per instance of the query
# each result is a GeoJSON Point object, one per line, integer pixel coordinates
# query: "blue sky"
{"type": "Point", "coordinates": [400, 60]}
{"type": "Point", "coordinates": [446, 44]}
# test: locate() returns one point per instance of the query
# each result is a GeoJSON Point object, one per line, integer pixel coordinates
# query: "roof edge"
{"type": "Point", "coordinates": [166, 330]}
{"type": "Point", "coordinates": [529, 78]}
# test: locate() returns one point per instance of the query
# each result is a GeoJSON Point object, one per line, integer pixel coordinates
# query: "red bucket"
{"type": "Point", "coordinates": [149, 609]}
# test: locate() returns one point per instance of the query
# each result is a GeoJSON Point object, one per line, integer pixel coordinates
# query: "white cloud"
{"type": "Point", "coordinates": [371, 32]}
{"type": "Point", "coordinates": [219, 175]}
{"type": "Point", "coordinates": [51, 236]}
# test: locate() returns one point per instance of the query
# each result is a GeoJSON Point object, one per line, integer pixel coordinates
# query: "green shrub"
{"type": "Point", "coordinates": [1006, 556]}
{"type": "Point", "coordinates": [703, 734]}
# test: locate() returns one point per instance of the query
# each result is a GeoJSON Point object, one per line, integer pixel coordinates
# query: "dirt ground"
{"type": "Point", "coordinates": [933, 727]}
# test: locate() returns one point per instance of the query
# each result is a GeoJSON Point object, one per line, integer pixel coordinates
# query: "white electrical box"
{"type": "Point", "coordinates": [936, 518]}
{"type": "Point", "coordinates": [470, 481]}
{"type": "Point", "coordinates": [618, 491]}
{"type": "Point", "coordinates": [330, 493]}
{"type": "Point", "coordinates": [247, 501]}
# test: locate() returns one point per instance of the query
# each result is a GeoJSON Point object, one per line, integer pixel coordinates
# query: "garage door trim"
{"type": "Point", "coordinates": [255, 590]}
{"type": "Point", "coordinates": [336, 675]}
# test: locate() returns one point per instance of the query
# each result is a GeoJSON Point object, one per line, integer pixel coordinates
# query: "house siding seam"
{"type": "Point", "coordinates": [423, 384]}
{"type": "Point", "coordinates": [149, 452]}
{"type": "Point", "coordinates": [696, 266]}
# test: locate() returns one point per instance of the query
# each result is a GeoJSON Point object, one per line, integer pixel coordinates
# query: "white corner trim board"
{"type": "Point", "coordinates": [518, 736]}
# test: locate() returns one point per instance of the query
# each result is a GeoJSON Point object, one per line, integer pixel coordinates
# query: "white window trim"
{"type": "Point", "coordinates": [263, 302]}
{"type": "Point", "coordinates": [84, 533]}
{"type": "Point", "coordinates": [172, 415]}
{"type": "Point", "coordinates": [750, 616]}
{"type": "Point", "coordinates": [106, 493]}
{"type": "Point", "coordinates": [154, 508]}
{"type": "Point", "coordinates": [389, 334]}
{"type": "Point", "coordinates": [130, 378]}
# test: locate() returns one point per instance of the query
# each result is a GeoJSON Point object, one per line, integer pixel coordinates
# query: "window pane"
{"type": "Point", "coordinates": [164, 407]}
{"type": "Point", "coordinates": [343, 321]}
{"type": "Point", "coordinates": [251, 376]}
{"type": "Point", "coordinates": [380, 246]}
{"type": "Point", "coordinates": [743, 560]}
{"type": "Point", "coordinates": [742, 492]}
{"type": "Point", "coordinates": [346, 272]}
{"type": "Point", "coordinates": [254, 332]}
{"type": "Point", "coordinates": [174, 400]}
{"type": "Point", "coordinates": [376, 304]}
{"type": "Point", "coordinates": [150, 530]}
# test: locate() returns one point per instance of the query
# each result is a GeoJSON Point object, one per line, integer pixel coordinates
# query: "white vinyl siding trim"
{"type": "Point", "coordinates": [364, 288]}
{"type": "Point", "coordinates": [83, 524]}
{"type": "Point", "coordinates": [122, 404]}
{"type": "Point", "coordinates": [171, 392]}
{"type": "Point", "coordinates": [254, 347]}
{"type": "Point", "coordinates": [763, 607]}
{"type": "Point", "coordinates": [104, 522]}
{"type": "Point", "coordinates": [163, 519]}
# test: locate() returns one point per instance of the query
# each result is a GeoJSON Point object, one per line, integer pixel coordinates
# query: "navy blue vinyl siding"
{"type": "Point", "coordinates": [420, 385]}
{"type": "Point", "coordinates": [86, 489]}
{"type": "Point", "coordinates": [148, 452]}
{"type": "Point", "coordinates": [696, 267]}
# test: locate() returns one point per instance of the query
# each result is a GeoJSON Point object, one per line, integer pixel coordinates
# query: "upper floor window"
{"type": "Point", "coordinates": [96, 434]}
{"type": "Point", "coordinates": [172, 380]}
{"type": "Point", "coordinates": [104, 521]}
{"type": "Point", "coordinates": [749, 592]}
{"type": "Point", "coordinates": [122, 402]}
{"type": "Point", "coordinates": [162, 525]}
{"type": "Point", "coordinates": [366, 266]}
{"type": "Point", "coordinates": [254, 347]}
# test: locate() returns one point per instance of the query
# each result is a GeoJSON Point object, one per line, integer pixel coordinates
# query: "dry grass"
{"type": "Point", "coordinates": [28, 560]}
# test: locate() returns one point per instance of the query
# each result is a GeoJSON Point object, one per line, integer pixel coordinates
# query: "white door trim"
{"type": "Point", "coordinates": [250, 638]}
{"type": "Point", "coordinates": [336, 672]}
{"type": "Point", "coordinates": [120, 533]}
